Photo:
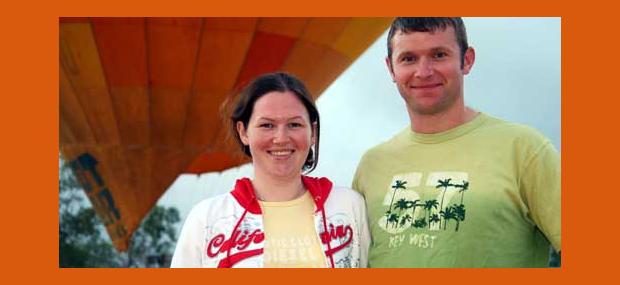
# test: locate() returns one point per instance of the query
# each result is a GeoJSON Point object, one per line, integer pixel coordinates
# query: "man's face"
{"type": "Point", "coordinates": [426, 67]}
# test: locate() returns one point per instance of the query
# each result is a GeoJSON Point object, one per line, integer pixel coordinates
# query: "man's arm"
{"type": "Point", "coordinates": [541, 185]}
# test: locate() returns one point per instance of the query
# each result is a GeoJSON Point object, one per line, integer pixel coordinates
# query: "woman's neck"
{"type": "Point", "coordinates": [270, 189]}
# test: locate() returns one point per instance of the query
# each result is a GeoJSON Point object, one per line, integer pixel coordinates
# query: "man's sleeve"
{"type": "Point", "coordinates": [356, 184]}
{"type": "Point", "coordinates": [541, 185]}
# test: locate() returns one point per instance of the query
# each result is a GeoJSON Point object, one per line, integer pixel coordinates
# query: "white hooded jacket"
{"type": "Point", "coordinates": [227, 230]}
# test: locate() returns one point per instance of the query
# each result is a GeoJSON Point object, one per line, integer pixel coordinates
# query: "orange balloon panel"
{"type": "Point", "coordinates": [140, 98]}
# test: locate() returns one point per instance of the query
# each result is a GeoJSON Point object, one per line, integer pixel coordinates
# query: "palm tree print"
{"type": "Point", "coordinates": [401, 205]}
{"type": "Point", "coordinates": [406, 218]}
{"type": "Point", "coordinates": [433, 219]}
{"type": "Point", "coordinates": [459, 210]}
{"type": "Point", "coordinates": [447, 214]}
{"type": "Point", "coordinates": [398, 184]}
{"type": "Point", "coordinates": [393, 219]}
{"type": "Point", "coordinates": [403, 218]}
{"type": "Point", "coordinates": [459, 214]}
{"type": "Point", "coordinates": [464, 187]}
{"type": "Point", "coordinates": [428, 206]}
{"type": "Point", "coordinates": [413, 204]}
{"type": "Point", "coordinates": [445, 184]}
{"type": "Point", "coordinates": [419, 223]}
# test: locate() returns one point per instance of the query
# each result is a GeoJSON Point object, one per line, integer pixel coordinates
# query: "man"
{"type": "Point", "coordinates": [458, 188]}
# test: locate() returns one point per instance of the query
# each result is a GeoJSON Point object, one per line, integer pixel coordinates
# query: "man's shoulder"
{"type": "Point", "coordinates": [392, 145]}
{"type": "Point", "coordinates": [511, 130]}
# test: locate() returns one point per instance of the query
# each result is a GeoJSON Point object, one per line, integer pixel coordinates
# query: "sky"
{"type": "Point", "coordinates": [516, 76]}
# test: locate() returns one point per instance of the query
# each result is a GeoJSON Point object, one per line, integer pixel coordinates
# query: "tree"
{"type": "Point", "coordinates": [398, 184]}
{"type": "Point", "coordinates": [434, 218]}
{"type": "Point", "coordinates": [405, 219]}
{"type": "Point", "coordinates": [401, 205]}
{"type": "Point", "coordinates": [428, 206]}
{"type": "Point", "coordinates": [447, 214]}
{"type": "Point", "coordinates": [83, 241]}
{"type": "Point", "coordinates": [154, 239]}
{"type": "Point", "coordinates": [393, 219]}
{"type": "Point", "coordinates": [459, 215]}
{"type": "Point", "coordinates": [419, 223]}
{"type": "Point", "coordinates": [464, 187]}
{"type": "Point", "coordinates": [445, 184]}
{"type": "Point", "coordinates": [413, 204]}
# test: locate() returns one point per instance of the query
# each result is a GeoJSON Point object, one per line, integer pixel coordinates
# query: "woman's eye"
{"type": "Point", "coordinates": [295, 125]}
{"type": "Point", "coordinates": [266, 125]}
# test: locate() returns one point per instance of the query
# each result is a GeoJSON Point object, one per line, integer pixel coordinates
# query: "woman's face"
{"type": "Point", "coordinates": [279, 135]}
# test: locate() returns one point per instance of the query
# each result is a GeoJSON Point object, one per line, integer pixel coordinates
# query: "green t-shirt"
{"type": "Point", "coordinates": [484, 194]}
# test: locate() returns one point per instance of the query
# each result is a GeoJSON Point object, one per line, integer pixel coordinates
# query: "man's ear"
{"type": "Point", "coordinates": [388, 63]}
{"type": "Point", "coordinates": [470, 58]}
{"type": "Point", "coordinates": [242, 133]}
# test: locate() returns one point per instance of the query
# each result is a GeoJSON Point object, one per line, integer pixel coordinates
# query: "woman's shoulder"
{"type": "Point", "coordinates": [208, 205]}
{"type": "Point", "coordinates": [204, 203]}
{"type": "Point", "coordinates": [341, 192]}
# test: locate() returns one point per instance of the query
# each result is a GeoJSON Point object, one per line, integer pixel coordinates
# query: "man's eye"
{"type": "Point", "coordinates": [440, 54]}
{"type": "Point", "coordinates": [295, 125]}
{"type": "Point", "coordinates": [266, 125]}
{"type": "Point", "coordinates": [407, 59]}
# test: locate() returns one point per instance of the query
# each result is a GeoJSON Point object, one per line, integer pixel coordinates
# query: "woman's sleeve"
{"type": "Point", "coordinates": [190, 243]}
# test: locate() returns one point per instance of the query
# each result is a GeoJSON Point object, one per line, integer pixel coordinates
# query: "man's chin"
{"type": "Point", "coordinates": [427, 110]}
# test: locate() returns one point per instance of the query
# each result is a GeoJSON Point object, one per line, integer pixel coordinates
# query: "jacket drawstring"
{"type": "Point", "coordinates": [329, 248]}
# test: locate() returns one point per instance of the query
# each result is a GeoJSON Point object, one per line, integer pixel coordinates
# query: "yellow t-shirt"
{"type": "Point", "coordinates": [484, 194]}
{"type": "Point", "coordinates": [290, 235]}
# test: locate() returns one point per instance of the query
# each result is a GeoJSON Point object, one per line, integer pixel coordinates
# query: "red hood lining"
{"type": "Point", "coordinates": [319, 188]}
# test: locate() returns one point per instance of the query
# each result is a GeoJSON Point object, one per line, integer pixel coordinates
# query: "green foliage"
{"type": "Point", "coordinates": [82, 243]}
{"type": "Point", "coordinates": [82, 237]}
{"type": "Point", "coordinates": [155, 237]}
{"type": "Point", "coordinates": [85, 243]}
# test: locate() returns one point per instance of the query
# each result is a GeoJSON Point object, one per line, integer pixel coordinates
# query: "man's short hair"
{"type": "Point", "coordinates": [419, 24]}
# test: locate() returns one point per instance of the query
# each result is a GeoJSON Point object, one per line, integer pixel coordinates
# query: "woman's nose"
{"type": "Point", "coordinates": [281, 135]}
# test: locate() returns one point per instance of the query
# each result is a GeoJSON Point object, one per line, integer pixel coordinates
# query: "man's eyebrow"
{"type": "Point", "coordinates": [407, 52]}
{"type": "Point", "coordinates": [440, 48]}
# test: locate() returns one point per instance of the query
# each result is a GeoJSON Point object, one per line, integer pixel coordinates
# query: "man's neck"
{"type": "Point", "coordinates": [437, 123]}
{"type": "Point", "coordinates": [272, 189]}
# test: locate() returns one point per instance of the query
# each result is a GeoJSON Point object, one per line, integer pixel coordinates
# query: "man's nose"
{"type": "Point", "coordinates": [425, 68]}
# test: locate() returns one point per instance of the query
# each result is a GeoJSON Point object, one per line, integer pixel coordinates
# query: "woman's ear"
{"type": "Point", "coordinates": [242, 133]}
{"type": "Point", "coordinates": [314, 131]}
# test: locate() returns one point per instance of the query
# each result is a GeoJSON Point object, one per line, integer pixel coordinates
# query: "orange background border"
{"type": "Point", "coordinates": [30, 204]}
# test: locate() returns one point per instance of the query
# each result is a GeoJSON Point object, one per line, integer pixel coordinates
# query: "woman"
{"type": "Point", "coordinates": [281, 218]}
